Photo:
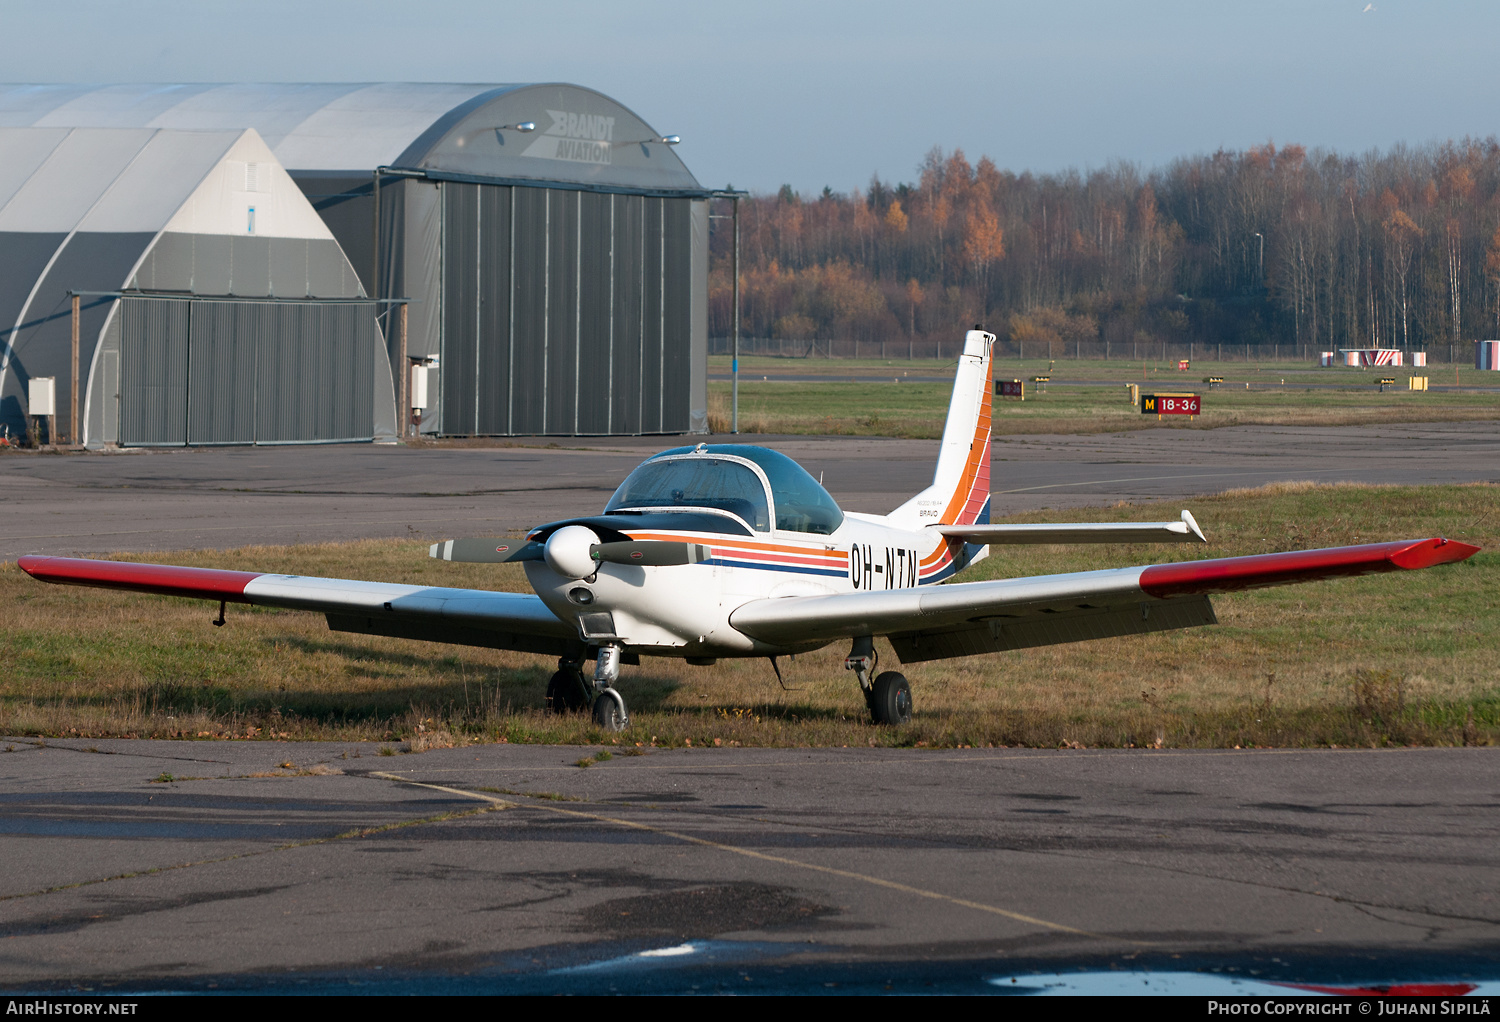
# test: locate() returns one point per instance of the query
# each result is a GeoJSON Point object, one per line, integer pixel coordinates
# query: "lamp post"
{"type": "Point", "coordinates": [734, 357]}
{"type": "Point", "coordinates": [734, 361]}
{"type": "Point", "coordinates": [1260, 265]}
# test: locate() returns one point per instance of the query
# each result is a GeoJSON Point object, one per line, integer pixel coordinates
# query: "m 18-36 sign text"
{"type": "Point", "coordinates": [1170, 404]}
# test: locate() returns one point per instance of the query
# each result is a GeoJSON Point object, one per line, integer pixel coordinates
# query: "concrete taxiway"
{"type": "Point", "coordinates": [207, 498]}
{"type": "Point", "coordinates": [332, 867]}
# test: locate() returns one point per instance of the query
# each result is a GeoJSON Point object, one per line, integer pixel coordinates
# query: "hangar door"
{"type": "Point", "coordinates": [564, 312]}
{"type": "Point", "coordinates": [196, 371]}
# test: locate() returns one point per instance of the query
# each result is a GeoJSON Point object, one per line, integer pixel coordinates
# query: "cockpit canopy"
{"type": "Point", "coordinates": [716, 476]}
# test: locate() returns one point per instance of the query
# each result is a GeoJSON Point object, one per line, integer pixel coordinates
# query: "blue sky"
{"type": "Point", "coordinates": [817, 94]}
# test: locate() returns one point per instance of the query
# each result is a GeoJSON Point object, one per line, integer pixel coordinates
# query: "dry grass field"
{"type": "Point", "coordinates": [1407, 658]}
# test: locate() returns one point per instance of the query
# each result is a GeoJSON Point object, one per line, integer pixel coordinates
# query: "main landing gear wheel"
{"type": "Point", "coordinates": [890, 699]}
{"type": "Point", "coordinates": [609, 711]}
{"type": "Point", "coordinates": [566, 692]}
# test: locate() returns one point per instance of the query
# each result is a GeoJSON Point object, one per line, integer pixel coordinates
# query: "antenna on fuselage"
{"type": "Point", "coordinates": [775, 667]}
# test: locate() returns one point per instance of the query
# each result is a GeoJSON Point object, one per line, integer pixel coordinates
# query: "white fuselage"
{"type": "Point", "coordinates": [685, 610]}
{"type": "Point", "coordinates": [782, 535]}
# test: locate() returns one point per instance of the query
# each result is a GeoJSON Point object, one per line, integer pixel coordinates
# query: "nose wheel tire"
{"type": "Point", "coordinates": [890, 699]}
{"type": "Point", "coordinates": [566, 692]}
{"type": "Point", "coordinates": [609, 711]}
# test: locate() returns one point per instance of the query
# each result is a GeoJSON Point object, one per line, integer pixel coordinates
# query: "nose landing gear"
{"type": "Point", "coordinates": [609, 711]}
{"type": "Point", "coordinates": [609, 705]}
{"type": "Point", "coordinates": [889, 695]}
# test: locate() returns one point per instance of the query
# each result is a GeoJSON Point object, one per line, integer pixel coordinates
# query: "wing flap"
{"type": "Point", "coordinates": [805, 618]}
{"type": "Point", "coordinates": [399, 626]}
{"type": "Point", "coordinates": [994, 635]}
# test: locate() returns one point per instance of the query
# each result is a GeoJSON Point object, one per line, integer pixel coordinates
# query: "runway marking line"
{"type": "Point", "coordinates": [748, 853]}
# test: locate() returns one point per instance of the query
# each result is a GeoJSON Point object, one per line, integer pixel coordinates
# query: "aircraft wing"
{"type": "Point", "coordinates": [960, 619]}
{"type": "Point", "coordinates": [472, 617]}
{"type": "Point", "coordinates": [1184, 531]}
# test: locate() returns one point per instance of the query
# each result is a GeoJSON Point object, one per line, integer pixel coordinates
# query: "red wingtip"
{"type": "Point", "coordinates": [1428, 552]}
{"type": "Point", "coordinates": [165, 579]}
{"type": "Point", "coordinates": [1231, 574]}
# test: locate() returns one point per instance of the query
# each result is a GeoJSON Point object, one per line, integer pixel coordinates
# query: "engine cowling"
{"type": "Point", "coordinates": [568, 551]}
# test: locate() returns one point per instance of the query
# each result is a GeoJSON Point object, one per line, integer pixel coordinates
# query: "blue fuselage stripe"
{"type": "Point", "coordinates": [796, 569]}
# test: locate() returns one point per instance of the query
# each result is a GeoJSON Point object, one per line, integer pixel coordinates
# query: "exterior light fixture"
{"type": "Point", "coordinates": [657, 140]}
{"type": "Point", "coordinates": [522, 127]}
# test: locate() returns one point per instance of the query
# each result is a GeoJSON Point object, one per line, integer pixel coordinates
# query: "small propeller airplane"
{"type": "Point", "coordinates": [730, 550]}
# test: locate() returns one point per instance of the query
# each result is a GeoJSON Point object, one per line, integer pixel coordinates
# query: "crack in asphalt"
{"type": "Point", "coordinates": [347, 835]}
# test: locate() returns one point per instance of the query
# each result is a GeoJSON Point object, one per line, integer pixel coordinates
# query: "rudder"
{"type": "Point", "coordinates": [960, 490]}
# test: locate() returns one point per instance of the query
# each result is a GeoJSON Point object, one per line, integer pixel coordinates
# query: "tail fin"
{"type": "Point", "coordinates": [960, 490]}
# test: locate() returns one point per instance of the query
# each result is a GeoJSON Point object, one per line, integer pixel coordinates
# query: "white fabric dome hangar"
{"type": "Point", "coordinates": [214, 305]}
{"type": "Point", "coordinates": [552, 244]}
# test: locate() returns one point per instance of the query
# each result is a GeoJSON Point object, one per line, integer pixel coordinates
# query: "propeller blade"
{"type": "Point", "coordinates": [649, 553]}
{"type": "Point", "coordinates": [485, 551]}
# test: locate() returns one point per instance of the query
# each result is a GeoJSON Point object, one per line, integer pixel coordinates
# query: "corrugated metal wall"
{"type": "Point", "coordinates": [204, 371]}
{"type": "Point", "coordinates": [565, 312]}
{"type": "Point", "coordinates": [154, 372]}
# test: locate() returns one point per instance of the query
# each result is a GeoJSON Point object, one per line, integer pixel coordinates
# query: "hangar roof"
{"type": "Point", "coordinates": [144, 180]}
{"type": "Point", "coordinates": [582, 137]}
{"type": "Point", "coordinates": [94, 210]}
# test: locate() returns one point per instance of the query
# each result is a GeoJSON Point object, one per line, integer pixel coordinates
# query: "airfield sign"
{"type": "Point", "coordinates": [1170, 404]}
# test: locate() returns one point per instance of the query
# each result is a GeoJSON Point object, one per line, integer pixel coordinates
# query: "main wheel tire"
{"type": "Point", "coordinates": [566, 692]}
{"type": "Point", "coordinates": [609, 711]}
{"type": "Point", "coordinates": [890, 699]}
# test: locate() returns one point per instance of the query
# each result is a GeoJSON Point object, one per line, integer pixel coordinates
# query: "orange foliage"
{"type": "Point", "coordinates": [1261, 245]}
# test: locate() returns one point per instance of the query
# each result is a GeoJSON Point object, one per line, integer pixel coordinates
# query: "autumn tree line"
{"type": "Point", "coordinates": [1259, 247]}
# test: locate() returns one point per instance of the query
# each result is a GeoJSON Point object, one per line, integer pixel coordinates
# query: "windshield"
{"type": "Point", "coordinates": [802, 505]}
{"type": "Point", "coordinates": [695, 482]}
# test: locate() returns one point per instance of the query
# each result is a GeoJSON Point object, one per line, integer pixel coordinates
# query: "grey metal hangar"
{"type": "Point", "coordinates": [524, 259]}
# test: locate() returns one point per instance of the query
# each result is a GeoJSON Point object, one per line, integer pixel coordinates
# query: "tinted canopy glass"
{"type": "Point", "coordinates": [695, 482]}
{"type": "Point", "coordinates": [802, 505]}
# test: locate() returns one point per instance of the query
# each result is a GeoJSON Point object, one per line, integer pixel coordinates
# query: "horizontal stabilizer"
{"type": "Point", "coordinates": [1184, 531]}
